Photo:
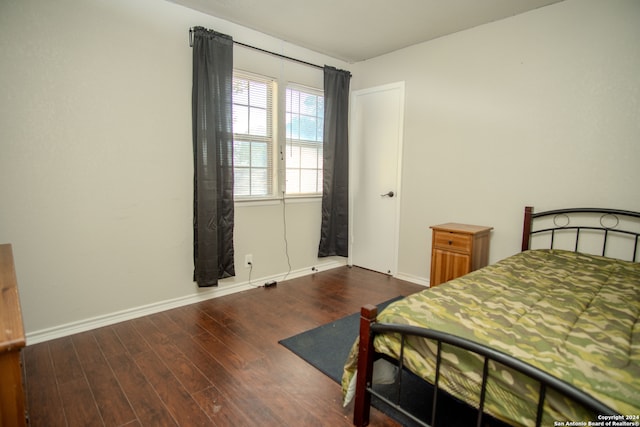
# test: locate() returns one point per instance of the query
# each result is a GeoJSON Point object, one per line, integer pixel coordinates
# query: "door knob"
{"type": "Point", "coordinates": [389, 194]}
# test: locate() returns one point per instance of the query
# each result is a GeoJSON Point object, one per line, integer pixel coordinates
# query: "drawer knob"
{"type": "Point", "coordinates": [451, 242]}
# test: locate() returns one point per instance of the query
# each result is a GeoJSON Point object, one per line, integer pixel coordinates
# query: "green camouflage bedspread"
{"type": "Point", "coordinates": [572, 315]}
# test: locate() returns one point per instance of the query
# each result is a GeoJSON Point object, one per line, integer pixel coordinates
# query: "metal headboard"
{"type": "Point", "coordinates": [595, 221]}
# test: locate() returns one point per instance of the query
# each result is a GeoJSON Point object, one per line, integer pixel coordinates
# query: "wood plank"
{"type": "Point", "coordinates": [110, 399]}
{"type": "Point", "coordinates": [175, 397]}
{"type": "Point", "coordinates": [12, 409]}
{"type": "Point", "coordinates": [176, 361]}
{"type": "Point", "coordinates": [11, 326]}
{"type": "Point", "coordinates": [144, 400]}
{"type": "Point", "coordinates": [77, 400]}
{"type": "Point", "coordinates": [217, 362]}
{"type": "Point", "coordinates": [45, 404]}
{"type": "Point", "coordinates": [245, 351]}
{"type": "Point", "coordinates": [65, 360]}
{"type": "Point", "coordinates": [12, 341]}
{"type": "Point", "coordinates": [165, 324]}
{"type": "Point", "coordinates": [108, 341]}
{"type": "Point", "coordinates": [130, 338]}
{"type": "Point", "coordinates": [221, 410]}
{"type": "Point", "coordinates": [187, 319]}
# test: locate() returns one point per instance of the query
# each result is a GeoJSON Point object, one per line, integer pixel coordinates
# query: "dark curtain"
{"type": "Point", "coordinates": [213, 157]}
{"type": "Point", "coordinates": [334, 231]}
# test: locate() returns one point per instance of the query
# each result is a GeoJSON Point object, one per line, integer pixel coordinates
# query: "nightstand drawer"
{"type": "Point", "coordinates": [452, 241]}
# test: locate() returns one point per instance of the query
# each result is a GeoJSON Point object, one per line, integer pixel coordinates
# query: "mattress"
{"type": "Point", "coordinates": [572, 315]}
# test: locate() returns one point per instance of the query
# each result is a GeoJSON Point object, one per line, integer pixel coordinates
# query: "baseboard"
{"type": "Point", "coordinates": [67, 329]}
{"type": "Point", "coordinates": [413, 279]}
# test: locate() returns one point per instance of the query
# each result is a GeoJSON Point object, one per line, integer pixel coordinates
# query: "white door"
{"type": "Point", "coordinates": [377, 119]}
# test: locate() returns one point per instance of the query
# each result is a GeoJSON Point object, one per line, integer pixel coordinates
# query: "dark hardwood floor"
{"type": "Point", "coordinates": [214, 363]}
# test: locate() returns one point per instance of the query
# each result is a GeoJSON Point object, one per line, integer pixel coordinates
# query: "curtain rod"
{"type": "Point", "coordinates": [300, 61]}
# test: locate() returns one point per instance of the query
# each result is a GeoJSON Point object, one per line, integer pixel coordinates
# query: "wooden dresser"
{"type": "Point", "coordinates": [12, 340]}
{"type": "Point", "coordinates": [457, 249]}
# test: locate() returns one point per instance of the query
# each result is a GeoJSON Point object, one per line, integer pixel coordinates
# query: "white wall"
{"type": "Point", "coordinates": [542, 109]}
{"type": "Point", "coordinates": [96, 161]}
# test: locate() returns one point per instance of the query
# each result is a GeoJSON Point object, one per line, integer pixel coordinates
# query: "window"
{"type": "Point", "coordinates": [254, 140]}
{"type": "Point", "coordinates": [252, 135]}
{"type": "Point", "coordinates": [304, 125]}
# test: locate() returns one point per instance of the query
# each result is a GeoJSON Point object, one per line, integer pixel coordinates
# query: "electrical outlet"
{"type": "Point", "coordinates": [248, 260]}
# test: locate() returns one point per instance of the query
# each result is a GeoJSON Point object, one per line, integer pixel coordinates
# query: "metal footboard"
{"type": "Point", "coordinates": [364, 390]}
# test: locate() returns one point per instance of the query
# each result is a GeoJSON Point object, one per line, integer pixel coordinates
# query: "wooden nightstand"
{"type": "Point", "coordinates": [457, 249]}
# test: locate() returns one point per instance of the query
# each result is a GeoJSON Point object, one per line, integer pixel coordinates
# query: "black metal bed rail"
{"type": "Point", "coordinates": [544, 379]}
{"type": "Point", "coordinates": [604, 213]}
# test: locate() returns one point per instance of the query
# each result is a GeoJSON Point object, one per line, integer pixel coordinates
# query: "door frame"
{"type": "Point", "coordinates": [355, 146]}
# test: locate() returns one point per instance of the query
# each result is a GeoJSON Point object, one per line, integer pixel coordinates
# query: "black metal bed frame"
{"type": "Point", "coordinates": [369, 328]}
{"type": "Point", "coordinates": [572, 213]}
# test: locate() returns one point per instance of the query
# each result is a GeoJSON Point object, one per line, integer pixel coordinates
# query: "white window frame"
{"type": "Point", "coordinates": [254, 140]}
{"type": "Point", "coordinates": [303, 156]}
{"type": "Point", "coordinates": [277, 146]}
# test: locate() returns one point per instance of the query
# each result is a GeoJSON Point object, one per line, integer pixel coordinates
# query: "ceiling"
{"type": "Point", "coordinates": [356, 30]}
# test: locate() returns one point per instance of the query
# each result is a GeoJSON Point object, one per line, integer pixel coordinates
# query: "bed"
{"type": "Point", "coordinates": [548, 336]}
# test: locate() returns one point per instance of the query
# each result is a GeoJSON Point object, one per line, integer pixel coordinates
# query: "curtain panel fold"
{"type": "Point", "coordinates": [334, 230]}
{"type": "Point", "coordinates": [213, 209]}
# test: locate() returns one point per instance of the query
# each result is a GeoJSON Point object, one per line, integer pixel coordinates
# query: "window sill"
{"type": "Point", "coordinates": [266, 201]}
